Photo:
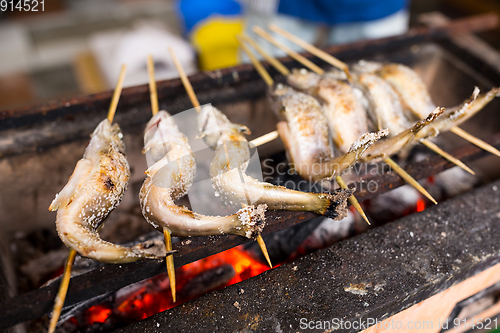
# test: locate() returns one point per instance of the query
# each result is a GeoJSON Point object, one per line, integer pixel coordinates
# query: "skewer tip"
{"type": "Point", "coordinates": [409, 179]}
{"type": "Point", "coordinates": [362, 213]}
{"type": "Point", "coordinates": [432, 146]}
{"type": "Point", "coordinates": [263, 248]}
{"type": "Point", "coordinates": [474, 140]}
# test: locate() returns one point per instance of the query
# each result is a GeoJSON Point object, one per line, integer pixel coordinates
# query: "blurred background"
{"type": "Point", "coordinates": [75, 47]}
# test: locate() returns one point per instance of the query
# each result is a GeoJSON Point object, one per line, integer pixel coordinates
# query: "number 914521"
{"type": "Point", "coordinates": [22, 5]}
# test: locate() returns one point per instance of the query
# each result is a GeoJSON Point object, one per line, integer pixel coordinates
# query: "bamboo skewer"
{"type": "Point", "coordinates": [312, 49]}
{"type": "Point", "coordinates": [266, 77]}
{"type": "Point", "coordinates": [352, 199]}
{"type": "Point", "coordinates": [263, 248]}
{"type": "Point", "coordinates": [63, 287]}
{"type": "Point", "coordinates": [153, 93]}
{"type": "Point", "coordinates": [185, 80]}
{"type": "Point", "coordinates": [258, 66]}
{"type": "Point", "coordinates": [432, 146]}
{"type": "Point", "coordinates": [166, 233]}
{"type": "Point", "coordinates": [272, 60]}
{"type": "Point", "coordinates": [343, 66]}
{"type": "Point", "coordinates": [63, 290]}
{"type": "Point", "coordinates": [116, 94]}
{"type": "Point", "coordinates": [265, 138]}
{"type": "Point", "coordinates": [196, 104]}
{"type": "Point", "coordinates": [170, 263]}
{"type": "Point", "coordinates": [472, 139]}
{"type": "Point", "coordinates": [409, 179]}
{"type": "Point", "coordinates": [295, 55]}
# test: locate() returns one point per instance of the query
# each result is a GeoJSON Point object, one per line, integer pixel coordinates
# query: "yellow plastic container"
{"type": "Point", "coordinates": [216, 43]}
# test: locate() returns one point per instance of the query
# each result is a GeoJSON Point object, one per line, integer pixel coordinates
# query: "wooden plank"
{"type": "Point", "coordinates": [432, 313]}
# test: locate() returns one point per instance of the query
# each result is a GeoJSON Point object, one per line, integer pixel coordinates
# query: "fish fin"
{"type": "Point", "coordinates": [157, 166]}
{"type": "Point", "coordinates": [76, 180]}
{"type": "Point", "coordinates": [243, 129]}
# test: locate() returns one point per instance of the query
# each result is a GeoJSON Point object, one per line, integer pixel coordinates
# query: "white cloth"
{"type": "Point", "coordinates": [112, 49]}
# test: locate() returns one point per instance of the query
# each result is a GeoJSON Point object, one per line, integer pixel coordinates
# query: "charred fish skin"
{"type": "Point", "coordinates": [94, 189]}
{"type": "Point", "coordinates": [171, 177]}
{"type": "Point", "coordinates": [229, 179]}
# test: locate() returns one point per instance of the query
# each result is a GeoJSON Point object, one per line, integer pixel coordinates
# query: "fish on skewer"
{"type": "Point", "coordinates": [305, 132]}
{"type": "Point", "coordinates": [171, 177]}
{"type": "Point", "coordinates": [196, 104]}
{"type": "Point", "coordinates": [413, 93]}
{"type": "Point", "coordinates": [282, 126]}
{"type": "Point", "coordinates": [344, 103]}
{"type": "Point", "coordinates": [387, 109]}
{"type": "Point", "coordinates": [156, 156]}
{"type": "Point", "coordinates": [229, 179]}
{"type": "Point", "coordinates": [345, 106]}
{"type": "Point", "coordinates": [94, 189]}
{"type": "Point", "coordinates": [337, 63]}
{"type": "Point", "coordinates": [304, 129]}
{"type": "Point", "coordinates": [408, 84]}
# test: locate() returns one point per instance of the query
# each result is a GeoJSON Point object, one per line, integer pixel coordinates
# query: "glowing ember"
{"type": "Point", "coordinates": [98, 314]}
{"type": "Point", "coordinates": [420, 205]}
{"type": "Point", "coordinates": [154, 295]}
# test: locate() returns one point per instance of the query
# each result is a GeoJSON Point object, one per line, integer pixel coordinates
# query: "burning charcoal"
{"type": "Point", "coordinates": [399, 202]}
{"type": "Point", "coordinates": [452, 182]}
{"type": "Point", "coordinates": [329, 231]}
{"type": "Point", "coordinates": [282, 244]}
{"type": "Point", "coordinates": [207, 281]}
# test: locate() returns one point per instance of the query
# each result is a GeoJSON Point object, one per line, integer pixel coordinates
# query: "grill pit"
{"type": "Point", "coordinates": [48, 140]}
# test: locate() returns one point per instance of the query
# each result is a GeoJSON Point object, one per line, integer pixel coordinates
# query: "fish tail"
{"type": "Point", "coordinates": [252, 220]}
{"type": "Point", "coordinates": [335, 204]}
